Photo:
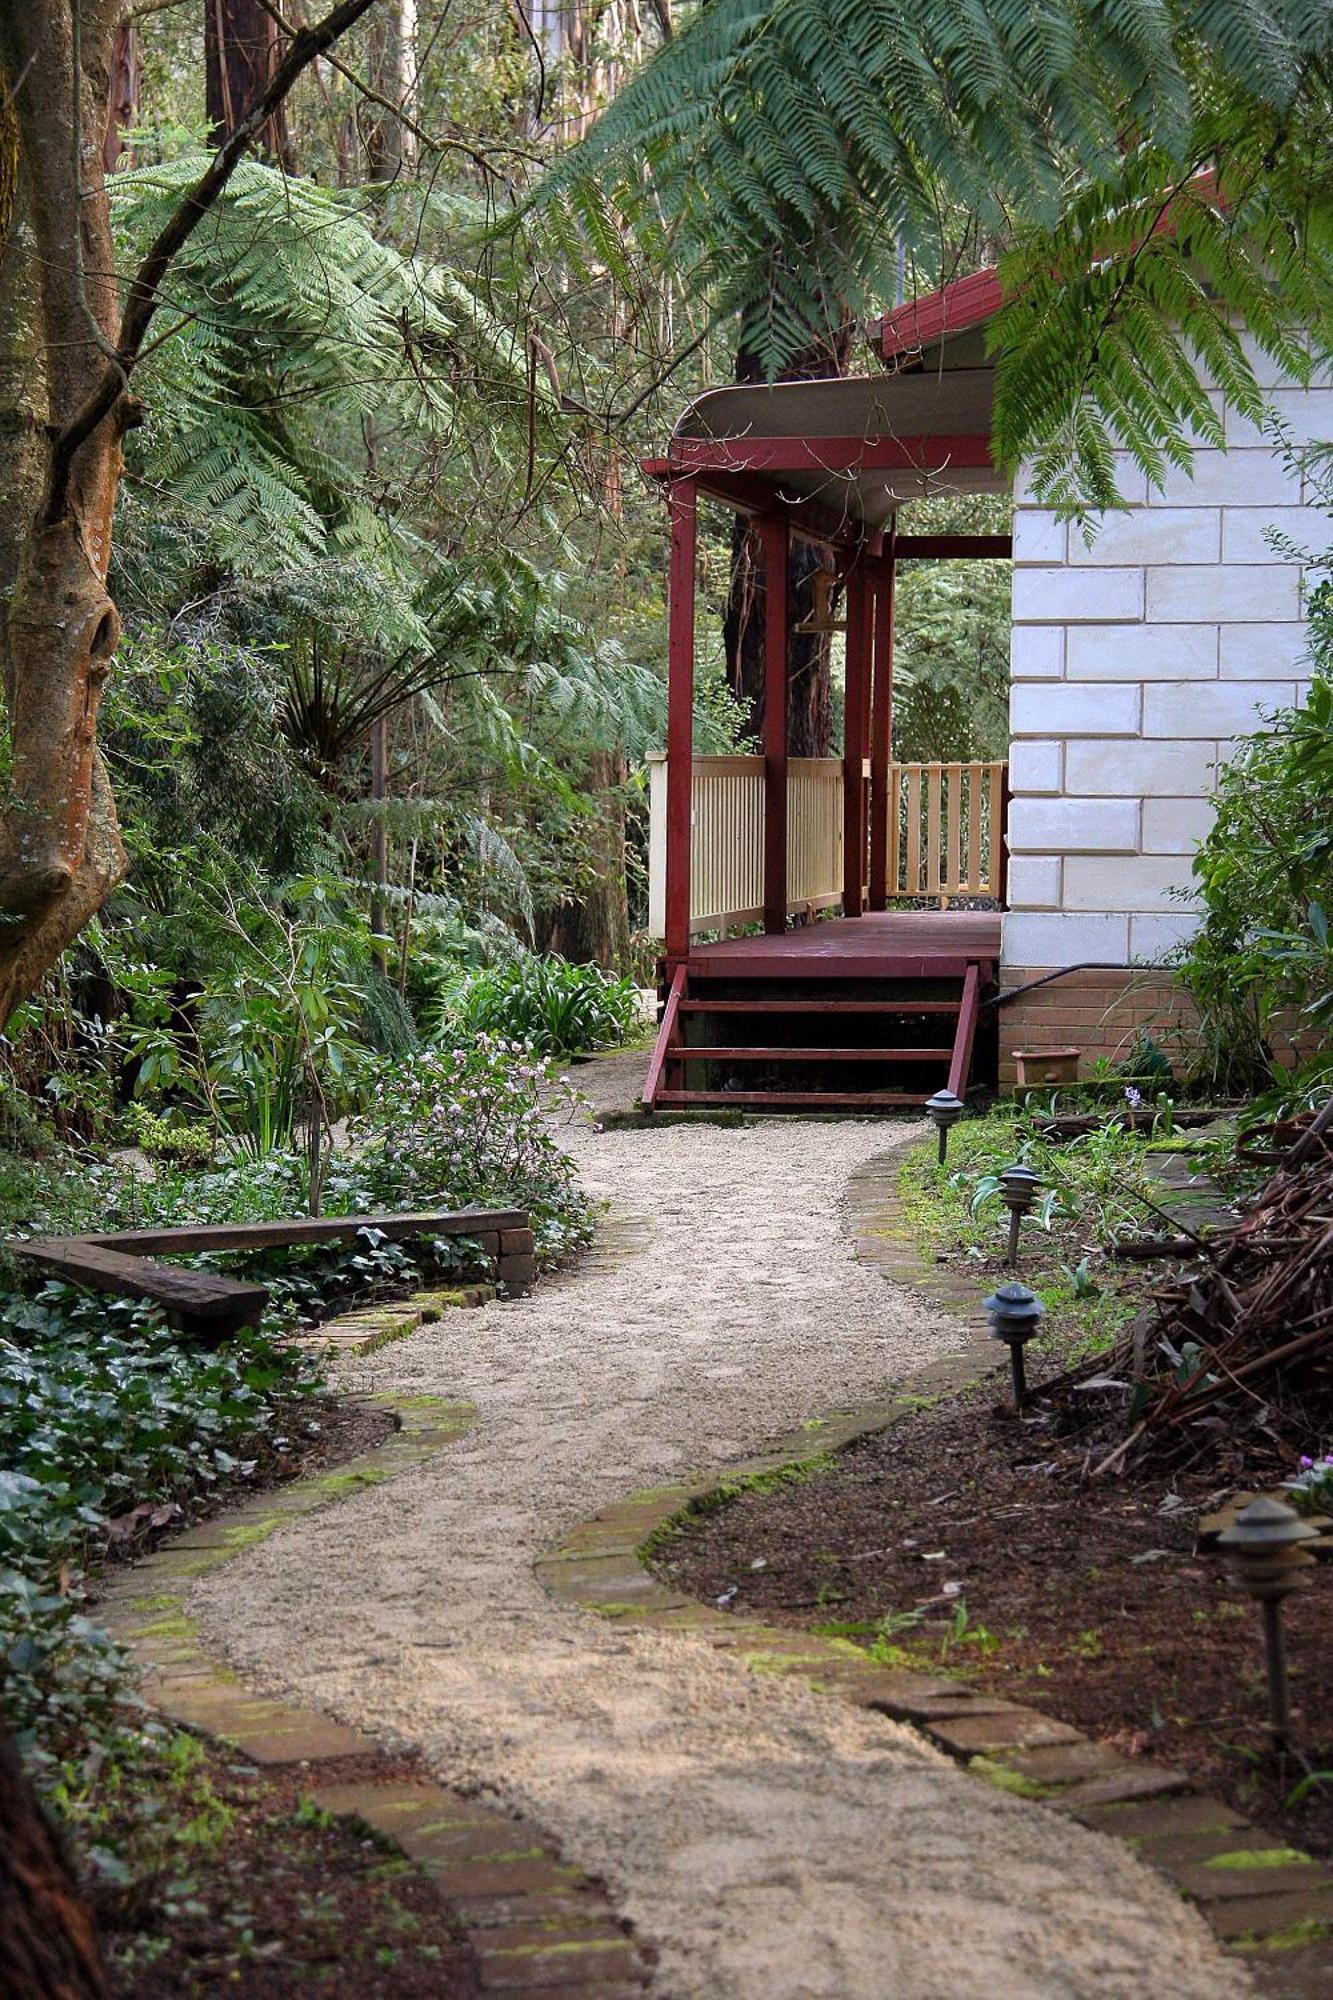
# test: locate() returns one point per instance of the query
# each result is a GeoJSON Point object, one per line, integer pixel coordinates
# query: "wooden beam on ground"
{"type": "Point", "coordinates": [394, 1227]}
{"type": "Point", "coordinates": [201, 1303]}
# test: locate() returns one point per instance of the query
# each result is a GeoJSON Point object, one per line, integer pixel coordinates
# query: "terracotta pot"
{"type": "Point", "coordinates": [1047, 1065]}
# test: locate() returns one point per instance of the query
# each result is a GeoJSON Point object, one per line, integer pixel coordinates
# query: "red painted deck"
{"type": "Point", "coordinates": [857, 1013]}
{"type": "Point", "coordinates": [889, 943]}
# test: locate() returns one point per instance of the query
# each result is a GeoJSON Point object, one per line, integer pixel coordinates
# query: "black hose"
{"type": "Point", "coordinates": [1084, 965]}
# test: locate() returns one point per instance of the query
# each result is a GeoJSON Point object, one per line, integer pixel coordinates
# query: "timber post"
{"type": "Point", "coordinates": [775, 536]}
{"type": "Point", "coordinates": [683, 504]}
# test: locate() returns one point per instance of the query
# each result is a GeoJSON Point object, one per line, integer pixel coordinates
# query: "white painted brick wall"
{"type": "Point", "coordinates": [1035, 881]}
{"type": "Point", "coordinates": [1245, 532]}
{"type": "Point", "coordinates": [1077, 596]}
{"type": "Point", "coordinates": [1219, 708]}
{"type": "Point", "coordinates": [1142, 653]}
{"type": "Point", "coordinates": [1156, 535]}
{"type": "Point", "coordinates": [1135, 663]}
{"type": "Point", "coordinates": [1036, 768]}
{"type": "Point", "coordinates": [1037, 652]}
{"type": "Point", "coordinates": [1060, 939]}
{"type": "Point", "coordinates": [1152, 938]}
{"type": "Point", "coordinates": [1074, 826]}
{"type": "Point", "coordinates": [1262, 652]}
{"type": "Point", "coordinates": [1085, 708]}
{"type": "Point", "coordinates": [1234, 594]}
{"type": "Point", "coordinates": [1175, 826]}
{"type": "Point", "coordinates": [1123, 881]}
{"type": "Point", "coordinates": [1139, 770]}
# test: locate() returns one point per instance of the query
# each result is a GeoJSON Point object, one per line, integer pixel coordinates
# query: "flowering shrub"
{"type": "Point", "coordinates": [1312, 1489]}
{"type": "Point", "coordinates": [453, 1128]}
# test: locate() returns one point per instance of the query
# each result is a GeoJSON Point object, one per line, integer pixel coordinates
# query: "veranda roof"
{"type": "Point", "coordinates": [841, 454]}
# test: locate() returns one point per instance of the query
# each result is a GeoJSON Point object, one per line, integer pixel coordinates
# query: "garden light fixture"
{"type": "Point", "coordinates": [1263, 1551]}
{"type": "Point", "coordinates": [1015, 1314]}
{"type": "Point", "coordinates": [1018, 1191]}
{"type": "Point", "coordinates": [944, 1110]}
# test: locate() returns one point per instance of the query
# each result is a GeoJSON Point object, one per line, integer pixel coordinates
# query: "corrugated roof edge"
{"type": "Point", "coordinates": [965, 303]}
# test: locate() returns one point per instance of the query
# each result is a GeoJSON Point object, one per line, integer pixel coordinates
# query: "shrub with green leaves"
{"type": "Point", "coordinates": [452, 1128]}
{"type": "Point", "coordinates": [1260, 967]}
{"type": "Point", "coordinates": [110, 1425]}
{"type": "Point", "coordinates": [558, 1009]}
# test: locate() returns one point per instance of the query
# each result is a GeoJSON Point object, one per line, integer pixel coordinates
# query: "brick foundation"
{"type": "Point", "coordinates": [1095, 1012]}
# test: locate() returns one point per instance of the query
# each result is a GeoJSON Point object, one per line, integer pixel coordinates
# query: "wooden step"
{"type": "Point", "coordinates": [894, 1006]}
{"type": "Point", "coordinates": [797, 1100]}
{"type": "Point", "coordinates": [706, 1052]}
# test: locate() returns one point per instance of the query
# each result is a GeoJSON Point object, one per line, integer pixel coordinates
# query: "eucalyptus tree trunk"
{"type": "Point", "coordinates": [48, 1945]}
{"type": "Point", "coordinates": [240, 56]}
{"type": "Point", "coordinates": [809, 686]}
{"type": "Point", "coordinates": [60, 847]}
{"type": "Point", "coordinates": [67, 352]}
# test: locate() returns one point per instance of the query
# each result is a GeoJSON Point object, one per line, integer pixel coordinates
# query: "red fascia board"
{"type": "Point", "coordinates": [910, 548]}
{"type": "Point", "coordinates": [972, 300]}
{"type": "Point", "coordinates": [833, 455]}
{"type": "Point", "coordinates": [965, 303]}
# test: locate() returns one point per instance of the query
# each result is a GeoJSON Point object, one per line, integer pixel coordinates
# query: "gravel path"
{"type": "Point", "coordinates": [773, 1844]}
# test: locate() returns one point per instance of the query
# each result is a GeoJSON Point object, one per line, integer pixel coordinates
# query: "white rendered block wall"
{"type": "Point", "coordinates": [1135, 663]}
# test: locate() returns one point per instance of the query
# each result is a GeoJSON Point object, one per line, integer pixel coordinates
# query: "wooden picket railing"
{"type": "Point", "coordinates": [946, 831]}
{"type": "Point", "coordinates": [945, 836]}
{"type": "Point", "coordinates": [727, 843]}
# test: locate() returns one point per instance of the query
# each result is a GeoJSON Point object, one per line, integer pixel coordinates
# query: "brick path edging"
{"type": "Point", "coordinates": [1272, 1904]}
{"type": "Point", "coordinates": [538, 1928]}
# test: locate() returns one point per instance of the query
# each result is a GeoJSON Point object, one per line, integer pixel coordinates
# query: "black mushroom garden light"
{"type": "Point", "coordinates": [944, 1110]}
{"type": "Point", "coordinates": [1263, 1550]}
{"type": "Point", "coordinates": [1018, 1191]}
{"type": "Point", "coordinates": [1015, 1314]}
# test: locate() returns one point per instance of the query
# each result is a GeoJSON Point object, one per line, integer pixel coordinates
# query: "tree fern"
{"type": "Point", "coordinates": [832, 131]}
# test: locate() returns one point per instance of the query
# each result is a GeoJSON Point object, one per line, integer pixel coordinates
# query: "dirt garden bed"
{"type": "Point", "coordinates": [256, 1890]}
{"type": "Point", "coordinates": [956, 1540]}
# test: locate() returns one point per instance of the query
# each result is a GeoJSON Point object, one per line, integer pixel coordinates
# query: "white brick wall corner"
{"type": "Point", "coordinates": [1036, 767]}
{"type": "Point", "coordinates": [1059, 939]}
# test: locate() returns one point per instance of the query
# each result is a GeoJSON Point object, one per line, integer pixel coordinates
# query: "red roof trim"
{"type": "Point", "coordinates": [966, 302]}
{"type": "Point", "coordinates": [971, 301]}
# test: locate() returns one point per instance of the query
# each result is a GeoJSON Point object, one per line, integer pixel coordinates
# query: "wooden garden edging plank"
{"type": "Point", "coordinates": [201, 1302]}
{"type": "Point", "coordinates": [211, 1306]}
{"type": "Point", "coordinates": [309, 1229]}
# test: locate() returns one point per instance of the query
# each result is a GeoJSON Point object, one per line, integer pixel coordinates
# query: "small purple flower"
{"type": "Point", "coordinates": [1133, 1097]}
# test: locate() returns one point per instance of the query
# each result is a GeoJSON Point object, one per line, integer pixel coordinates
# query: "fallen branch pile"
{"type": "Point", "coordinates": [1239, 1348]}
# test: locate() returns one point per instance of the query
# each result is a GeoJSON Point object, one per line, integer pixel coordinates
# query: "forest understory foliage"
{"type": "Point", "coordinates": [326, 840]}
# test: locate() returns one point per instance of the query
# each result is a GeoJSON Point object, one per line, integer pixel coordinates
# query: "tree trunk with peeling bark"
{"type": "Point", "coordinates": [809, 682]}
{"type": "Point", "coordinates": [240, 55]}
{"type": "Point", "coordinates": [48, 1945]}
{"type": "Point", "coordinates": [67, 352]}
{"type": "Point", "coordinates": [60, 847]}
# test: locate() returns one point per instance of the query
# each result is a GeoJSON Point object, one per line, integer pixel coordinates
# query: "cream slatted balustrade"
{"type": "Point", "coordinates": [940, 843]}
{"type": "Point", "coordinates": [727, 845]}
{"type": "Point", "coordinates": [946, 825]}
